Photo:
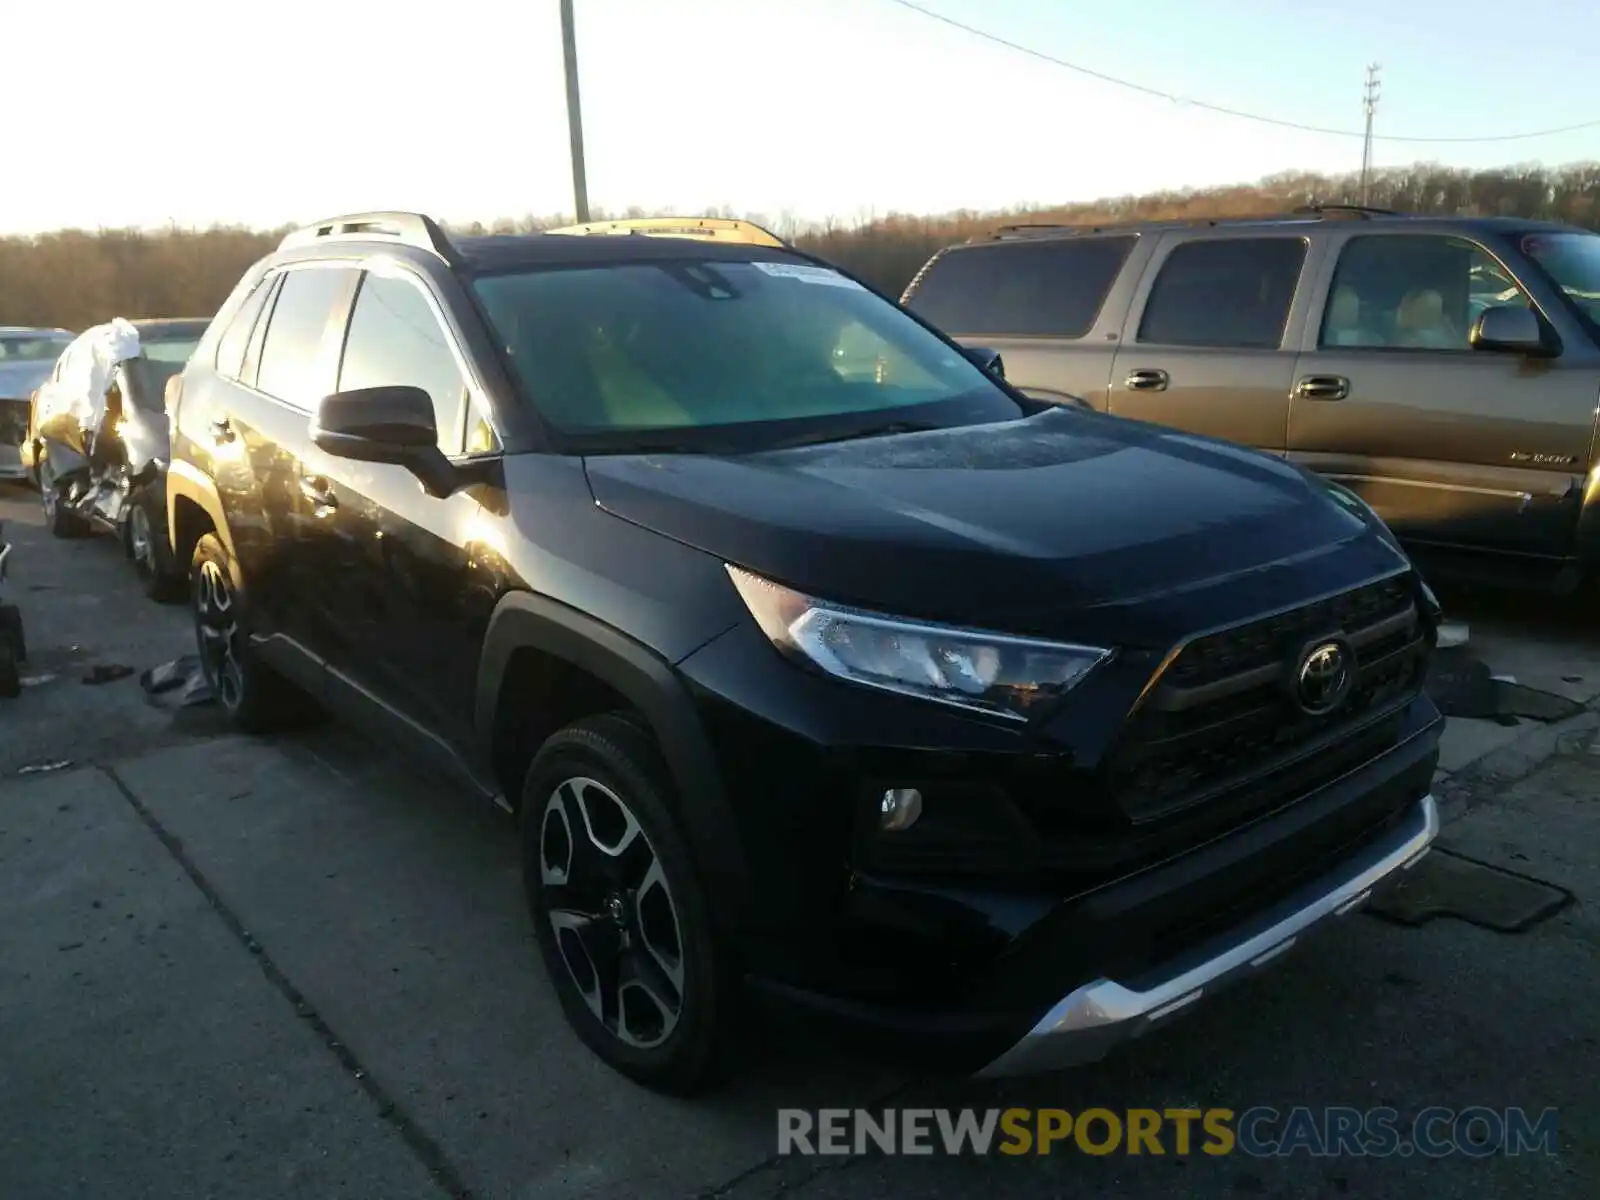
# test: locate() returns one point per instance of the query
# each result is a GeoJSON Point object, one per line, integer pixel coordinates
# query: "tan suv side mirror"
{"type": "Point", "coordinates": [1510, 329]}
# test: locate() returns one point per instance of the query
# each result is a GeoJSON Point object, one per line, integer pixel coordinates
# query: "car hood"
{"type": "Point", "coordinates": [1064, 523]}
{"type": "Point", "coordinates": [19, 379]}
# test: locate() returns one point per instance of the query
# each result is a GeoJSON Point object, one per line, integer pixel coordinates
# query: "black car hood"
{"type": "Point", "coordinates": [1064, 522]}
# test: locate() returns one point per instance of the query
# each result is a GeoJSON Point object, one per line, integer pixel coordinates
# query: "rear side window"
{"type": "Point", "coordinates": [1045, 288]}
{"type": "Point", "coordinates": [293, 367]}
{"type": "Point", "coordinates": [231, 346]}
{"type": "Point", "coordinates": [1233, 293]}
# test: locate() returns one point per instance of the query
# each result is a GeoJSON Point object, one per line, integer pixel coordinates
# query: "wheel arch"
{"type": "Point", "coordinates": [528, 627]}
{"type": "Point", "coordinates": [193, 509]}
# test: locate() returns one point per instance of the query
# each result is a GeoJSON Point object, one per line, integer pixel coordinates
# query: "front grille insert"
{"type": "Point", "coordinates": [1221, 716]}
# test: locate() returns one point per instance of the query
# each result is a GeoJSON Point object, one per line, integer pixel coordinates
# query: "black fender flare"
{"type": "Point", "coordinates": [524, 620]}
{"type": "Point", "coordinates": [188, 482]}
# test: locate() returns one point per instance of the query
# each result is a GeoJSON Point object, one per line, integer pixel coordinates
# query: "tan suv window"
{"type": "Point", "coordinates": [1413, 292]}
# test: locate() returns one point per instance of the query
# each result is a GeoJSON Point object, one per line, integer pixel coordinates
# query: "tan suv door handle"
{"type": "Point", "coordinates": [1147, 381]}
{"type": "Point", "coordinates": [1322, 387]}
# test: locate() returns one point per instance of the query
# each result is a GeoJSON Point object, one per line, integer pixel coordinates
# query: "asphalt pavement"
{"type": "Point", "coordinates": [296, 967]}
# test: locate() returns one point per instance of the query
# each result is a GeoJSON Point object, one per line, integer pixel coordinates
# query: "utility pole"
{"type": "Point", "coordinates": [569, 49]}
{"type": "Point", "coordinates": [1369, 105]}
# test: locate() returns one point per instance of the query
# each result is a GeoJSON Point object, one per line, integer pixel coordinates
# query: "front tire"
{"type": "Point", "coordinates": [621, 919]}
{"type": "Point", "coordinates": [250, 694]}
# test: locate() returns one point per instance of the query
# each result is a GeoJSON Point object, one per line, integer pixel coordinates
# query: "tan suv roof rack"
{"type": "Point", "coordinates": [1306, 212]}
{"type": "Point", "coordinates": [705, 229]}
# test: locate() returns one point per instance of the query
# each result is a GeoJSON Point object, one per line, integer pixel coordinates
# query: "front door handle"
{"type": "Point", "coordinates": [1322, 387]}
{"type": "Point", "coordinates": [222, 430]}
{"type": "Point", "coordinates": [1147, 381]}
{"type": "Point", "coordinates": [319, 492]}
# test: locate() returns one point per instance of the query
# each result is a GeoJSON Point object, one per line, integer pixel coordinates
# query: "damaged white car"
{"type": "Point", "coordinates": [97, 443]}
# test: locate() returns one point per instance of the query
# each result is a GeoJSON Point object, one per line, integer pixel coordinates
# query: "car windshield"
{"type": "Point", "coordinates": [1572, 261]}
{"type": "Point", "coordinates": [701, 355]}
{"type": "Point", "coordinates": [33, 347]}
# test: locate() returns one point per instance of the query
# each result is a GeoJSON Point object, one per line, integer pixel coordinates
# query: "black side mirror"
{"type": "Point", "coordinates": [987, 359]}
{"type": "Point", "coordinates": [1509, 329]}
{"type": "Point", "coordinates": [391, 424]}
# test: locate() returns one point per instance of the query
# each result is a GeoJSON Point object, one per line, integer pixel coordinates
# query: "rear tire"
{"type": "Point", "coordinates": [60, 520]}
{"type": "Point", "coordinates": [622, 922]}
{"type": "Point", "coordinates": [253, 697]}
{"type": "Point", "coordinates": [11, 633]}
{"type": "Point", "coordinates": [145, 539]}
{"type": "Point", "coordinates": [10, 676]}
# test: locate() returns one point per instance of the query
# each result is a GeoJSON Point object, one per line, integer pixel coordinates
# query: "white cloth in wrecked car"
{"type": "Point", "coordinates": [80, 388]}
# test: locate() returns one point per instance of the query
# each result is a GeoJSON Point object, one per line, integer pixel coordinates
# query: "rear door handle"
{"type": "Point", "coordinates": [319, 492]}
{"type": "Point", "coordinates": [1322, 387]}
{"type": "Point", "coordinates": [1147, 381]}
{"type": "Point", "coordinates": [221, 430]}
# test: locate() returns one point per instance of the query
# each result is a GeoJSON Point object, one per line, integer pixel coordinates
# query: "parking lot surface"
{"type": "Point", "coordinates": [295, 967]}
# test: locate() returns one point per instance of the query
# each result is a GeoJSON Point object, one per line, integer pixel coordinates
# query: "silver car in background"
{"type": "Point", "coordinates": [27, 356]}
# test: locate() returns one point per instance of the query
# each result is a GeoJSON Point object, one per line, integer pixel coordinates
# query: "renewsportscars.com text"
{"type": "Point", "coordinates": [1257, 1132]}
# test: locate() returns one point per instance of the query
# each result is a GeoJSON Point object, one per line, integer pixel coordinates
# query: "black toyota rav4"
{"type": "Point", "coordinates": [816, 661]}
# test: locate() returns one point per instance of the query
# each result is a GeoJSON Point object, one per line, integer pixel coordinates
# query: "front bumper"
{"type": "Point", "coordinates": [1092, 1019]}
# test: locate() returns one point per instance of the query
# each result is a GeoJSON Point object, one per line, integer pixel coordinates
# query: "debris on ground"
{"type": "Point", "coordinates": [1447, 884]}
{"type": "Point", "coordinates": [42, 768]}
{"type": "Point", "coordinates": [179, 683]}
{"type": "Point", "coordinates": [106, 673]}
{"type": "Point", "coordinates": [1465, 686]}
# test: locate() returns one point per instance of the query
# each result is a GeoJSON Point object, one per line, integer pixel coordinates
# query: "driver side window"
{"type": "Point", "coordinates": [1413, 292]}
{"type": "Point", "coordinates": [394, 337]}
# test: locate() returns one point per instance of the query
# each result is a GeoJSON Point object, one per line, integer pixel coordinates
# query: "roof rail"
{"type": "Point", "coordinates": [1306, 212]}
{"type": "Point", "coordinates": [411, 229]}
{"type": "Point", "coordinates": [704, 229]}
{"type": "Point", "coordinates": [1360, 212]}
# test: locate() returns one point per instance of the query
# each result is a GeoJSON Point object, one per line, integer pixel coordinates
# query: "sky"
{"type": "Point", "coordinates": [247, 112]}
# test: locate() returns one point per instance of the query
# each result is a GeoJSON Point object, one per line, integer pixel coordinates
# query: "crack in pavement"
{"type": "Point", "coordinates": [773, 1160]}
{"type": "Point", "coordinates": [427, 1151]}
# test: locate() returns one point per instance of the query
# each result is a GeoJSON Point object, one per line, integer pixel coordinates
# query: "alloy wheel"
{"type": "Point", "coordinates": [217, 625]}
{"type": "Point", "coordinates": [612, 912]}
{"type": "Point", "coordinates": [139, 539]}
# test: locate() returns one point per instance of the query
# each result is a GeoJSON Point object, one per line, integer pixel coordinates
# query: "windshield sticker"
{"type": "Point", "coordinates": [1533, 245]}
{"type": "Point", "coordinates": [805, 274]}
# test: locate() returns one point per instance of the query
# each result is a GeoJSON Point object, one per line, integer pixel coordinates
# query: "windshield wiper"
{"type": "Point", "coordinates": [887, 429]}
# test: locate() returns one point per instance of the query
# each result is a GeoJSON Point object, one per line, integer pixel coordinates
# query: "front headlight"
{"type": "Point", "coordinates": [985, 672]}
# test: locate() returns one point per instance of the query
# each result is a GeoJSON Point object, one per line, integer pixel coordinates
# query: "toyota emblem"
{"type": "Point", "coordinates": [1324, 678]}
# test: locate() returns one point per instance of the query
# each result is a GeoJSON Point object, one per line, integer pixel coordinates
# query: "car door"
{"type": "Point", "coordinates": [407, 589]}
{"type": "Point", "coordinates": [1210, 342]}
{"type": "Point", "coordinates": [1451, 445]}
{"type": "Point", "coordinates": [258, 439]}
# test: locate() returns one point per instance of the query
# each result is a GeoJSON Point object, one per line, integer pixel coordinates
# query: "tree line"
{"type": "Point", "coordinates": [75, 278]}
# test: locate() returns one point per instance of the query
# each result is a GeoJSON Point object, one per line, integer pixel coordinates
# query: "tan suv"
{"type": "Point", "coordinates": [1445, 368]}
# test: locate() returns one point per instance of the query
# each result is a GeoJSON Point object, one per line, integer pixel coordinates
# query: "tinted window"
{"type": "Point", "coordinates": [234, 339]}
{"type": "Point", "coordinates": [292, 368]}
{"type": "Point", "coordinates": [1027, 288]}
{"type": "Point", "coordinates": [1416, 292]}
{"type": "Point", "coordinates": [769, 350]}
{"type": "Point", "coordinates": [395, 337]}
{"type": "Point", "coordinates": [1231, 292]}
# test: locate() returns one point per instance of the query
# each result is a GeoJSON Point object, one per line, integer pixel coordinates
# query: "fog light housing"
{"type": "Point", "coordinates": [898, 809]}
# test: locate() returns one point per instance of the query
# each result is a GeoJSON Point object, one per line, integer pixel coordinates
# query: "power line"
{"type": "Point", "coordinates": [1223, 110]}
